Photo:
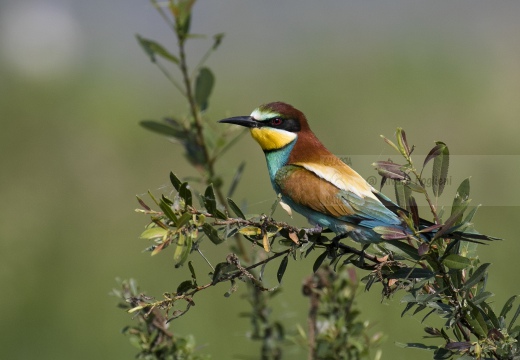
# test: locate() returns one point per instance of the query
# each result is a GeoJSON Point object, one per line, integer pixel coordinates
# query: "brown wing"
{"type": "Point", "coordinates": [307, 189]}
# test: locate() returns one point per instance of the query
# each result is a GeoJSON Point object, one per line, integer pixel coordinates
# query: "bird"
{"type": "Point", "coordinates": [314, 182]}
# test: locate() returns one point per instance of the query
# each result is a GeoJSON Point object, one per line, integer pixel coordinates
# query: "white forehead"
{"type": "Point", "coordinates": [262, 115]}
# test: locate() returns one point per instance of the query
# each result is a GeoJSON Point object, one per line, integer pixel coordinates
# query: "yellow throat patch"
{"type": "Point", "coordinates": [272, 139]}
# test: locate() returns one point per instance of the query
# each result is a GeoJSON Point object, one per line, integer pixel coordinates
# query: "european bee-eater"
{"type": "Point", "coordinates": [313, 181]}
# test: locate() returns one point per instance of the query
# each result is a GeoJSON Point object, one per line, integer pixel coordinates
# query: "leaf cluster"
{"type": "Point", "coordinates": [336, 330]}
{"type": "Point", "coordinates": [438, 265]}
{"type": "Point", "coordinates": [151, 334]}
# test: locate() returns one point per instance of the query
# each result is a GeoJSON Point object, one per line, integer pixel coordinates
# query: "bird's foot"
{"type": "Point", "coordinates": [314, 230]}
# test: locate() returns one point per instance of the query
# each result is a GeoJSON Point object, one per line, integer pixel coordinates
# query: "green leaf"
{"type": "Point", "coordinates": [209, 200]}
{"type": "Point", "coordinates": [414, 187]}
{"type": "Point", "coordinates": [452, 220]}
{"type": "Point", "coordinates": [482, 297]}
{"type": "Point", "coordinates": [456, 262]}
{"type": "Point", "coordinates": [203, 87]}
{"type": "Point", "coordinates": [160, 128]}
{"type": "Point", "coordinates": [181, 11]}
{"type": "Point", "coordinates": [184, 219]}
{"type": "Point", "coordinates": [402, 193]}
{"type": "Point", "coordinates": [507, 306]}
{"type": "Point", "coordinates": [440, 169]}
{"type": "Point", "coordinates": [476, 321]}
{"type": "Point", "coordinates": [513, 320]}
{"type": "Point", "coordinates": [402, 249]}
{"type": "Point", "coordinates": [275, 205]}
{"type": "Point", "coordinates": [185, 193]}
{"type": "Point", "coordinates": [234, 207]}
{"type": "Point", "coordinates": [461, 198]}
{"type": "Point", "coordinates": [153, 48]}
{"type": "Point", "coordinates": [175, 181]}
{"type": "Point", "coordinates": [217, 38]}
{"type": "Point", "coordinates": [153, 233]}
{"type": "Point", "coordinates": [192, 271]}
{"type": "Point", "coordinates": [389, 142]}
{"type": "Point", "coordinates": [476, 277]}
{"type": "Point", "coordinates": [282, 268]}
{"type": "Point", "coordinates": [490, 314]}
{"type": "Point", "coordinates": [168, 212]}
{"type": "Point", "coordinates": [180, 244]}
{"type": "Point", "coordinates": [184, 287]}
{"type": "Point", "coordinates": [404, 149]}
{"type": "Point", "coordinates": [212, 234]}
{"type": "Point", "coordinates": [186, 251]}
{"type": "Point", "coordinates": [222, 270]}
{"type": "Point", "coordinates": [411, 273]}
{"type": "Point", "coordinates": [416, 346]}
{"type": "Point", "coordinates": [319, 261]}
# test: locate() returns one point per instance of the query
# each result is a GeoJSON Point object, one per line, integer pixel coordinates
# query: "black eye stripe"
{"type": "Point", "coordinates": [287, 124]}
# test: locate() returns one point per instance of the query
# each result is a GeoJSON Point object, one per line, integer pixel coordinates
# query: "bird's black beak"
{"type": "Point", "coordinates": [246, 121]}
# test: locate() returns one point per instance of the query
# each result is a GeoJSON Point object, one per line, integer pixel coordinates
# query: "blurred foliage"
{"type": "Point", "coordinates": [435, 263]}
{"type": "Point", "coordinates": [335, 331]}
{"type": "Point", "coordinates": [151, 335]}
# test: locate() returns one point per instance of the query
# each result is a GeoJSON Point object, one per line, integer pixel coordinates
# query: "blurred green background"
{"type": "Point", "coordinates": [74, 84]}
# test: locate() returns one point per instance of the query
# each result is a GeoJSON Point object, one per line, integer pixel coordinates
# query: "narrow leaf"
{"type": "Point", "coordinates": [212, 234]}
{"type": "Point", "coordinates": [476, 277]}
{"type": "Point", "coordinates": [209, 200]}
{"type": "Point", "coordinates": [414, 210]}
{"type": "Point", "coordinates": [180, 244]}
{"type": "Point", "coordinates": [203, 87]}
{"type": "Point", "coordinates": [153, 48]}
{"type": "Point", "coordinates": [461, 198]}
{"type": "Point", "coordinates": [507, 306]}
{"type": "Point", "coordinates": [390, 143]}
{"type": "Point", "coordinates": [234, 207]}
{"type": "Point", "coordinates": [160, 128]}
{"type": "Point", "coordinates": [265, 243]}
{"type": "Point", "coordinates": [319, 261]}
{"type": "Point", "coordinates": [476, 321]}
{"type": "Point", "coordinates": [402, 193]}
{"type": "Point", "coordinates": [168, 212]}
{"type": "Point", "coordinates": [186, 250]}
{"type": "Point", "coordinates": [236, 179]}
{"type": "Point", "coordinates": [184, 287]}
{"type": "Point", "coordinates": [153, 233]}
{"type": "Point", "coordinates": [282, 268]}
{"type": "Point", "coordinates": [142, 203]}
{"type": "Point", "coordinates": [436, 151]}
{"type": "Point", "coordinates": [513, 320]}
{"type": "Point", "coordinates": [217, 40]}
{"type": "Point", "coordinates": [175, 181]}
{"type": "Point", "coordinates": [390, 170]}
{"type": "Point", "coordinates": [440, 170]}
{"type": "Point", "coordinates": [390, 233]}
{"type": "Point", "coordinates": [456, 262]}
{"type": "Point", "coordinates": [416, 346]}
{"type": "Point", "coordinates": [250, 231]}
{"type": "Point", "coordinates": [402, 249]}
{"type": "Point", "coordinates": [404, 149]}
{"type": "Point", "coordinates": [185, 193]}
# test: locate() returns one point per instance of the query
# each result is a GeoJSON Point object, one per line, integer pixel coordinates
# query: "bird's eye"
{"type": "Point", "coordinates": [276, 121]}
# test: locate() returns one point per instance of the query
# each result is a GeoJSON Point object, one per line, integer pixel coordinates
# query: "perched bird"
{"type": "Point", "coordinates": [314, 182]}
